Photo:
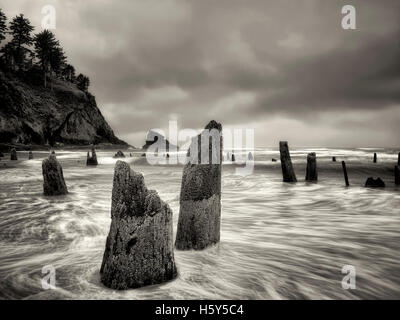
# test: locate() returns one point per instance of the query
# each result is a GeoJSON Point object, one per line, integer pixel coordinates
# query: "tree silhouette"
{"type": "Point", "coordinates": [82, 82]}
{"type": "Point", "coordinates": [69, 72]}
{"type": "Point", "coordinates": [20, 29]}
{"type": "Point", "coordinates": [45, 48]}
{"type": "Point", "coordinates": [57, 60]}
{"type": "Point", "coordinates": [3, 25]}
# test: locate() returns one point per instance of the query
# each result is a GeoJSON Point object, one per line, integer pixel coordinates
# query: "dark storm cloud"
{"type": "Point", "coordinates": [262, 64]}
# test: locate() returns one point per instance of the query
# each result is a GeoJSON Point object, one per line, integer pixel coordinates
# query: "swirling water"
{"type": "Point", "coordinates": [278, 241]}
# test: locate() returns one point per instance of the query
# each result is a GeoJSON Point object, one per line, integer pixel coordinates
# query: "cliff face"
{"type": "Point", "coordinates": [32, 114]}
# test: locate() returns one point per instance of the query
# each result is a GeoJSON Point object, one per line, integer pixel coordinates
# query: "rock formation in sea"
{"type": "Point", "coordinates": [286, 163]}
{"type": "Point", "coordinates": [375, 183]}
{"type": "Point", "coordinates": [233, 157]}
{"type": "Point", "coordinates": [92, 159]}
{"type": "Point", "coordinates": [119, 154]}
{"type": "Point", "coordinates": [33, 115]}
{"type": "Point", "coordinates": [153, 137]}
{"type": "Point", "coordinates": [311, 171]}
{"type": "Point", "coordinates": [53, 178]}
{"type": "Point", "coordinates": [30, 155]}
{"type": "Point", "coordinates": [13, 154]}
{"type": "Point", "coordinates": [139, 246]}
{"type": "Point", "coordinates": [274, 160]}
{"type": "Point", "coordinates": [333, 159]}
{"type": "Point", "coordinates": [398, 159]}
{"type": "Point", "coordinates": [200, 198]}
{"type": "Point", "coordinates": [396, 175]}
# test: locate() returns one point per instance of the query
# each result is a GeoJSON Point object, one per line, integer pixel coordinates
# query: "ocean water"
{"type": "Point", "coordinates": [278, 240]}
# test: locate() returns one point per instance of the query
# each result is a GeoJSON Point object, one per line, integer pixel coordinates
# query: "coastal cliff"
{"type": "Point", "coordinates": [59, 115]}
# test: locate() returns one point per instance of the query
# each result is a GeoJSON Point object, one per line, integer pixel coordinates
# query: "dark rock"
{"type": "Point", "coordinates": [30, 155]}
{"type": "Point", "coordinates": [375, 183]}
{"type": "Point", "coordinates": [13, 155]}
{"type": "Point", "coordinates": [375, 157]}
{"type": "Point", "coordinates": [398, 159]}
{"type": "Point", "coordinates": [1, 154]}
{"type": "Point", "coordinates": [53, 178]}
{"type": "Point", "coordinates": [119, 154]}
{"type": "Point", "coordinates": [333, 159]}
{"type": "Point", "coordinates": [200, 198]}
{"type": "Point", "coordinates": [286, 163]}
{"type": "Point", "coordinates": [396, 175]}
{"type": "Point", "coordinates": [233, 157]}
{"type": "Point", "coordinates": [92, 160]}
{"type": "Point", "coordinates": [139, 247]}
{"type": "Point", "coordinates": [53, 152]}
{"type": "Point", "coordinates": [153, 137]}
{"type": "Point", "coordinates": [274, 160]}
{"type": "Point", "coordinates": [65, 114]}
{"type": "Point", "coordinates": [311, 171]}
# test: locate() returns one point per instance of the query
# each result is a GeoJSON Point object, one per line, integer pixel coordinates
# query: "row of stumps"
{"type": "Point", "coordinates": [139, 248]}
{"type": "Point", "coordinates": [311, 170]}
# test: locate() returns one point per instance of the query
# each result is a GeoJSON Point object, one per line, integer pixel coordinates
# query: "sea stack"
{"type": "Point", "coordinates": [233, 157]}
{"type": "Point", "coordinates": [13, 155]}
{"type": "Point", "coordinates": [374, 183]}
{"type": "Point", "coordinates": [30, 155]}
{"type": "Point", "coordinates": [92, 160]}
{"type": "Point", "coordinates": [139, 246]}
{"type": "Point", "coordinates": [398, 159]}
{"type": "Point", "coordinates": [311, 171]}
{"type": "Point", "coordinates": [286, 163]}
{"type": "Point", "coordinates": [375, 156]}
{"type": "Point", "coordinates": [53, 178]}
{"type": "Point", "coordinates": [396, 175]}
{"type": "Point", "coordinates": [200, 198]}
{"type": "Point", "coordinates": [333, 159]}
{"type": "Point", "coordinates": [119, 154]}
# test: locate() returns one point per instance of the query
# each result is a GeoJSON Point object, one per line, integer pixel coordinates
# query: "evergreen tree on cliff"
{"type": "Point", "coordinates": [46, 47]}
{"type": "Point", "coordinates": [83, 82]}
{"type": "Point", "coordinates": [20, 29]}
{"type": "Point", "coordinates": [57, 60]}
{"type": "Point", "coordinates": [3, 26]}
{"type": "Point", "coordinates": [68, 72]}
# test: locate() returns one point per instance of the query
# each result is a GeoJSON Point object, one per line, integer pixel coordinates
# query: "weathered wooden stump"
{"type": "Point", "coordinates": [92, 160]}
{"type": "Point", "coordinates": [311, 171]}
{"type": "Point", "coordinates": [286, 163]}
{"type": "Point", "coordinates": [13, 155]}
{"type": "Point", "coordinates": [53, 178]}
{"type": "Point", "coordinates": [30, 155]}
{"type": "Point", "coordinates": [396, 175]}
{"type": "Point", "coordinates": [374, 183]}
{"type": "Point", "coordinates": [200, 199]}
{"type": "Point", "coordinates": [139, 246]}
{"type": "Point", "coordinates": [346, 178]}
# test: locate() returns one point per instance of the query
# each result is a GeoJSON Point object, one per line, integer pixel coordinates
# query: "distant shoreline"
{"type": "Point", "coordinates": [6, 147]}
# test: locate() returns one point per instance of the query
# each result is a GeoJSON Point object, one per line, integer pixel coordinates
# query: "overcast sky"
{"type": "Point", "coordinates": [285, 68]}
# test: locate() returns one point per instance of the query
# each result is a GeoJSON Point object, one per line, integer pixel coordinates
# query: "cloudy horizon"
{"type": "Point", "coordinates": [285, 68]}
